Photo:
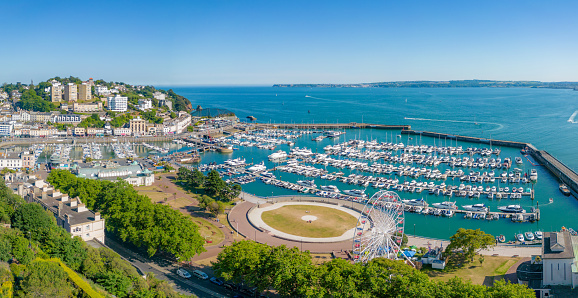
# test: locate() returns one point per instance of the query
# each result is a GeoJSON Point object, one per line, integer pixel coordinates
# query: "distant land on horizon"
{"type": "Point", "coordinates": [445, 84]}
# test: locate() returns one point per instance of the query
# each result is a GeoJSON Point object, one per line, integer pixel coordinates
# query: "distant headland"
{"type": "Point", "coordinates": [445, 84]}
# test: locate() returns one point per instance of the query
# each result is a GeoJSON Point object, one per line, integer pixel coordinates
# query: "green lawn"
{"type": "Point", "coordinates": [494, 268]}
{"type": "Point", "coordinates": [330, 222]}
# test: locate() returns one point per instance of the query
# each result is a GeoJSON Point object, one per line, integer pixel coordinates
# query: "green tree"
{"type": "Point", "coordinates": [45, 279]}
{"type": "Point", "coordinates": [469, 242]}
{"type": "Point", "coordinates": [214, 184]}
{"type": "Point", "coordinates": [32, 218]}
{"type": "Point", "coordinates": [5, 249]}
{"type": "Point", "coordinates": [197, 178]}
{"type": "Point", "coordinates": [503, 289]}
{"type": "Point", "coordinates": [115, 283]}
{"type": "Point", "coordinates": [21, 250]}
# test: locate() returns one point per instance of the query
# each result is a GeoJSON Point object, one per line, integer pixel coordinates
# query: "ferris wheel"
{"type": "Point", "coordinates": [379, 229]}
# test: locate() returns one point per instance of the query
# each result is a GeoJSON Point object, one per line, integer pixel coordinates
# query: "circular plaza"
{"type": "Point", "coordinates": [312, 222]}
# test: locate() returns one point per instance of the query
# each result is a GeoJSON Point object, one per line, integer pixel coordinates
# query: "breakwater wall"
{"type": "Point", "coordinates": [438, 135]}
{"type": "Point", "coordinates": [329, 126]}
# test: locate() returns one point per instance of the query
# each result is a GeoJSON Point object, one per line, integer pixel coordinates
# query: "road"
{"type": "Point", "coordinates": [166, 270]}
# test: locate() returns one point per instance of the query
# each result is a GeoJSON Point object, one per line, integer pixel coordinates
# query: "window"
{"type": "Point", "coordinates": [87, 234]}
{"type": "Point", "coordinates": [88, 227]}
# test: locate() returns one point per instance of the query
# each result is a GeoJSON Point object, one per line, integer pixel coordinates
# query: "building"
{"type": "Point", "coordinates": [67, 118]}
{"type": "Point", "coordinates": [41, 117]}
{"type": "Point", "coordinates": [71, 92]}
{"type": "Point", "coordinates": [87, 107]}
{"type": "Point", "coordinates": [133, 172]}
{"type": "Point", "coordinates": [166, 102]}
{"type": "Point", "coordinates": [559, 260]}
{"type": "Point", "coordinates": [117, 103]}
{"type": "Point", "coordinates": [6, 128]}
{"type": "Point", "coordinates": [92, 131]}
{"type": "Point", "coordinates": [56, 91]}
{"type": "Point", "coordinates": [158, 95]}
{"type": "Point", "coordinates": [80, 131]}
{"type": "Point", "coordinates": [84, 92]}
{"type": "Point", "coordinates": [71, 214]}
{"type": "Point", "coordinates": [101, 91]}
{"type": "Point", "coordinates": [121, 131]}
{"type": "Point", "coordinates": [42, 131]}
{"type": "Point", "coordinates": [28, 159]}
{"type": "Point", "coordinates": [11, 160]}
{"type": "Point", "coordinates": [138, 126]}
{"type": "Point", "coordinates": [145, 104]}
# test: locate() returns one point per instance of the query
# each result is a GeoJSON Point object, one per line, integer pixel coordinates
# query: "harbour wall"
{"type": "Point", "coordinates": [330, 126]}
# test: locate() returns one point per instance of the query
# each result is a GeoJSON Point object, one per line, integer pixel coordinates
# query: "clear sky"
{"type": "Point", "coordinates": [266, 42]}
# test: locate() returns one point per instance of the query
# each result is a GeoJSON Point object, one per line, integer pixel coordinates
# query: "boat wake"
{"type": "Point", "coordinates": [571, 119]}
{"type": "Point", "coordinates": [498, 125]}
{"type": "Point", "coordinates": [309, 96]}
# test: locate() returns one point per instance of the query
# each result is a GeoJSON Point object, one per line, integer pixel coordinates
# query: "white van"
{"type": "Point", "coordinates": [200, 274]}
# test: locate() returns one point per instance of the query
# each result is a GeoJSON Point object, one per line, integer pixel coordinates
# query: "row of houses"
{"type": "Point", "coordinates": [70, 213]}
{"type": "Point", "coordinates": [135, 127]}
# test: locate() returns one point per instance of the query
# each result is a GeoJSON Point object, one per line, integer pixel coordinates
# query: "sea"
{"type": "Point", "coordinates": [543, 117]}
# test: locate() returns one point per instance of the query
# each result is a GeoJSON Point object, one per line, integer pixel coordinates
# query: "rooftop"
{"type": "Point", "coordinates": [557, 245]}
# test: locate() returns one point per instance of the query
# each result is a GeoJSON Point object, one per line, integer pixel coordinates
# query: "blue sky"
{"type": "Point", "coordinates": [266, 42]}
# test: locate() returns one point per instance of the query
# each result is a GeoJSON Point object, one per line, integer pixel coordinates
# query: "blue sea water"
{"type": "Point", "coordinates": [538, 116]}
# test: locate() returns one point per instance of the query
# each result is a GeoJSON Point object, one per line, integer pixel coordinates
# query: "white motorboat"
{"type": "Point", "coordinates": [512, 209]}
{"type": "Point", "coordinates": [519, 160]}
{"type": "Point", "coordinates": [533, 175]}
{"type": "Point", "coordinates": [355, 192]}
{"type": "Point", "coordinates": [279, 155]}
{"type": "Point", "coordinates": [307, 183]}
{"type": "Point", "coordinates": [416, 202]}
{"type": "Point", "coordinates": [331, 188]}
{"type": "Point", "coordinates": [260, 167]}
{"type": "Point", "coordinates": [529, 236]}
{"type": "Point", "coordinates": [476, 208]}
{"type": "Point", "coordinates": [520, 237]}
{"type": "Point", "coordinates": [446, 205]}
{"type": "Point", "coordinates": [538, 235]}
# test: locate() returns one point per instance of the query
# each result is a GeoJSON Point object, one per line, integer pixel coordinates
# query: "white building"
{"type": "Point", "coordinates": [11, 160]}
{"type": "Point", "coordinates": [67, 118]}
{"type": "Point", "coordinates": [6, 128]}
{"type": "Point", "coordinates": [101, 91]}
{"type": "Point", "coordinates": [145, 104]}
{"type": "Point", "coordinates": [121, 131]}
{"type": "Point", "coordinates": [117, 103]}
{"type": "Point", "coordinates": [558, 259]}
{"type": "Point", "coordinates": [158, 95]}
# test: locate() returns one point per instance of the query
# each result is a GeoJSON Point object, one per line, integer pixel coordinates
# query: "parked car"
{"type": "Point", "coordinates": [216, 281]}
{"type": "Point", "coordinates": [183, 273]}
{"type": "Point", "coordinates": [200, 274]}
{"type": "Point", "coordinates": [230, 286]}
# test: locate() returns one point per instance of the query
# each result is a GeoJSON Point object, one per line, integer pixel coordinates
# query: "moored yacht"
{"type": "Point", "coordinates": [258, 167]}
{"type": "Point", "coordinates": [355, 192]}
{"type": "Point", "coordinates": [446, 205]}
{"type": "Point", "coordinates": [416, 202]}
{"type": "Point", "coordinates": [476, 208]}
{"type": "Point", "coordinates": [278, 155]}
{"type": "Point", "coordinates": [512, 209]}
{"type": "Point", "coordinates": [307, 183]}
{"type": "Point", "coordinates": [331, 188]}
